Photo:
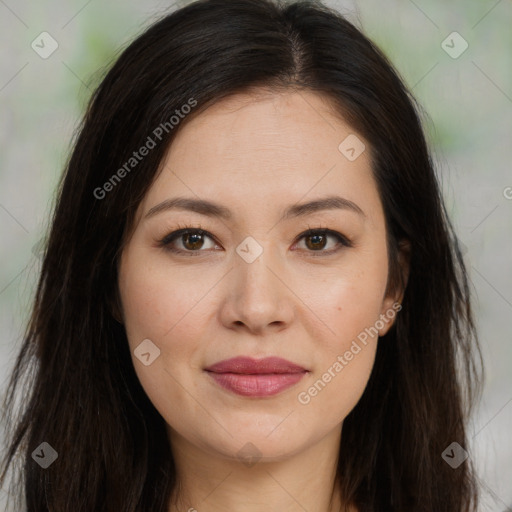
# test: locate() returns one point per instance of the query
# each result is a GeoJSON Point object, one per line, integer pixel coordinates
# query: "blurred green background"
{"type": "Point", "coordinates": [467, 112]}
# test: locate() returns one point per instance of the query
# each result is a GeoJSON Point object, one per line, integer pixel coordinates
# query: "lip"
{"type": "Point", "coordinates": [250, 366]}
{"type": "Point", "coordinates": [250, 377]}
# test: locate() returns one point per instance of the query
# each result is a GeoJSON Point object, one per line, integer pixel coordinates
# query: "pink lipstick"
{"type": "Point", "coordinates": [258, 378]}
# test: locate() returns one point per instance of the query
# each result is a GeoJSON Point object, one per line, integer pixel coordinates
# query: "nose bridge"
{"type": "Point", "coordinates": [257, 277]}
{"type": "Point", "coordinates": [258, 297]}
{"type": "Point", "coordinates": [257, 284]}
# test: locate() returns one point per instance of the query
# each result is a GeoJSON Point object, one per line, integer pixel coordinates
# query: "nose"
{"type": "Point", "coordinates": [257, 297]}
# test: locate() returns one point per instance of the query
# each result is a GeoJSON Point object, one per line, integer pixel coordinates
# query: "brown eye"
{"type": "Point", "coordinates": [316, 240]}
{"type": "Point", "coordinates": [187, 241]}
{"type": "Point", "coordinates": [192, 241]}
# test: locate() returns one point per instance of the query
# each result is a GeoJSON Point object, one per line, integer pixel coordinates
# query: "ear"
{"type": "Point", "coordinates": [114, 305]}
{"type": "Point", "coordinates": [395, 292]}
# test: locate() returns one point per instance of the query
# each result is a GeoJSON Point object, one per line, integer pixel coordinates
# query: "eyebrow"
{"type": "Point", "coordinates": [211, 209]}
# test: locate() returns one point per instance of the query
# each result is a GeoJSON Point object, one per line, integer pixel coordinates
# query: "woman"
{"type": "Point", "coordinates": [251, 296]}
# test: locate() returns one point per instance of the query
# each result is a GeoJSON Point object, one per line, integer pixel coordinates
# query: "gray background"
{"type": "Point", "coordinates": [468, 119]}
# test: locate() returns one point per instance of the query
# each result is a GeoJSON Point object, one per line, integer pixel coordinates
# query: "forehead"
{"type": "Point", "coordinates": [265, 148]}
{"type": "Point", "coordinates": [284, 127]}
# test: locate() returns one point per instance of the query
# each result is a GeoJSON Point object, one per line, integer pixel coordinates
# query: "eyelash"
{"type": "Point", "coordinates": [166, 241]}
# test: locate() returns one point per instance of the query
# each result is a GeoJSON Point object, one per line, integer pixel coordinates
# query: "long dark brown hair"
{"type": "Point", "coordinates": [78, 388]}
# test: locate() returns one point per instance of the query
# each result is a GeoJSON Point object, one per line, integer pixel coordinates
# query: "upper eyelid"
{"type": "Point", "coordinates": [182, 231]}
{"type": "Point", "coordinates": [171, 237]}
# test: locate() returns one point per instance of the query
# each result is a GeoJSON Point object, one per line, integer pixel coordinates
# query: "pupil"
{"type": "Point", "coordinates": [315, 246]}
{"type": "Point", "coordinates": [195, 244]}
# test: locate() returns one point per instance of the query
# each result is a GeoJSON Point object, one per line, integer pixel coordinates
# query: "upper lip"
{"type": "Point", "coordinates": [247, 365]}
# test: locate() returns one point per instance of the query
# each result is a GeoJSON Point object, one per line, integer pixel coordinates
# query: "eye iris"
{"type": "Point", "coordinates": [314, 244]}
{"type": "Point", "coordinates": [196, 243]}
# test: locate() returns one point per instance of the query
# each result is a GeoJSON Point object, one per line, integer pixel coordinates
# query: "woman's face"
{"type": "Point", "coordinates": [254, 285]}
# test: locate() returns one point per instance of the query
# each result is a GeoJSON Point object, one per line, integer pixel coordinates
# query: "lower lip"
{"type": "Point", "coordinates": [257, 385]}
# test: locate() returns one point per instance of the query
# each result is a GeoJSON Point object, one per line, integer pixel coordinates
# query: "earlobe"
{"type": "Point", "coordinates": [115, 307]}
{"type": "Point", "coordinates": [404, 260]}
{"type": "Point", "coordinates": [388, 318]}
{"type": "Point", "coordinates": [392, 304]}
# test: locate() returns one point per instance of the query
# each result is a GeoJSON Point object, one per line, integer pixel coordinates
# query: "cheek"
{"type": "Point", "coordinates": [156, 301]}
{"type": "Point", "coordinates": [158, 309]}
{"type": "Point", "coordinates": [345, 360]}
{"type": "Point", "coordinates": [349, 300]}
{"type": "Point", "coordinates": [329, 396]}
{"type": "Point", "coordinates": [350, 305]}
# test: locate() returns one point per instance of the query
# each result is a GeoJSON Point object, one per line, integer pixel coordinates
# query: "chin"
{"type": "Point", "coordinates": [256, 443]}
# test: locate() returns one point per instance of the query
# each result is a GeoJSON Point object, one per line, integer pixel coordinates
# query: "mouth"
{"type": "Point", "coordinates": [257, 378]}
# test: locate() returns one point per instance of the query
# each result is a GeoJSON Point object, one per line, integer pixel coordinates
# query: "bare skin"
{"type": "Point", "coordinates": [303, 299]}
